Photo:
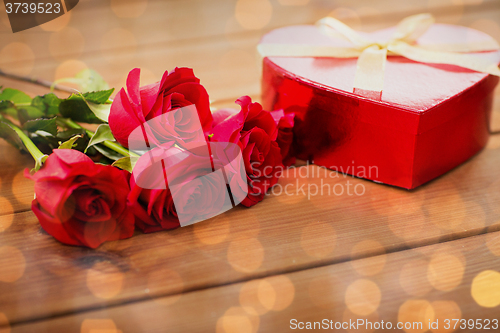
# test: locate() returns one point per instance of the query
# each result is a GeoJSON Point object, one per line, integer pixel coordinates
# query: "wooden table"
{"type": "Point", "coordinates": [391, 255]}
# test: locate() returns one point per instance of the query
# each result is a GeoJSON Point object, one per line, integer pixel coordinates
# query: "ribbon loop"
{"type": "Point", "coordinates": [334, 28]}
{"type": "Point", "coordinates": [412, 27]}
{"type": "Point", "coordinates": [369, 78]}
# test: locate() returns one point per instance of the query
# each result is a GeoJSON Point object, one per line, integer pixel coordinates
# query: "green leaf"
{"type": "Point", "coordinates": [7, 107]}
{"type": "Point", "coordinates": [7, 133]}
{"type": "Point", "coordinates": [20, 140]}
{"type": "Point", "coordinates": [103, 133]}
{"type": "Point", "coordinates": [70, 143]}
{"type": "Point", "coordinates": [109, 153]}
{"type": "Point", "coordinates": [69, 133]}
{"type": "Point", "coordinates": [6, 104]}
{"type": "Point", "coordinates": [52, 103]}
{"type": "Point", "coordinates": [98, 97]}
{"type": "Point", "coordinates": [47, 125]}
{"type": "Point", "coordinates": [38, 103]}
{"type": "Point", "coordinates": [88, 80]}
{"type": "Point", "coordinates": [26, 113]}
{"type": "Point", "coordinates": [15, 96]}
{"type": "Point", "coordinates": [101, 111]}
{"type": "Point", "coordinates": [79, 108]}
{"type": "Point", "coordinates": [126, 163]}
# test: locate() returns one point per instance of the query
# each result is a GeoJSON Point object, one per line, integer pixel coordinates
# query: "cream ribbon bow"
{"type": "Point", "coordinates": [372, 54]}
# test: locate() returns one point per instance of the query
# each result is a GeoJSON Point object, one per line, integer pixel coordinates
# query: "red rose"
{"type": "Point", "coordinates": [199, 192]}
{"type": "Point", "coordinates": [79, 202]}
{"type": "Point", "coordinates": [177, 89]}
{"type": "Point", "coordinates": [255, 130]}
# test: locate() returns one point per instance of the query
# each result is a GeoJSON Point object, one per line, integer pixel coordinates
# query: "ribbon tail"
{"type": "Point", "coordinates": [469, 61]}
{"type": "Point", "coordinates": [369, 78]}
{"type": "Point", "coordinates": [412, 27]}
{"type": "Point", "coordinates": [334, 28]}
{"type": "Point", "coordinates": [291, 50]}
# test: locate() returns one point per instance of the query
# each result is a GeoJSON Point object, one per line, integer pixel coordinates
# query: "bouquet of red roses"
{"type": "Point", "coordinates": [159, 158]}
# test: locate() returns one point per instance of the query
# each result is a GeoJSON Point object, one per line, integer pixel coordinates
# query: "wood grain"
{"type": "Point", "coordinates": [307, 252]}
{"type": "Point", "coordinates": [249, 243]}
{"type": "Point", "coordinates": [435, 282]}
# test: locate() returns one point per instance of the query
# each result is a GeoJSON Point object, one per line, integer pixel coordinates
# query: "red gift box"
{"type": "Point", "coordinates": [430, 117]}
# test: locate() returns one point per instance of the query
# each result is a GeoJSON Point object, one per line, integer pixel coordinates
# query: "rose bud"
{"type": "Point", "coordinates": [256, 131]}
{"type": "Point", "coordinates": [177, 89]}
{"type": "Point", "coordinates": [173, 187]}
{"type": "Point", "coordinates": [79, 202]}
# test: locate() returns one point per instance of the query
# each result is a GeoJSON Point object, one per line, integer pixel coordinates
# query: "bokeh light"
{"type": "Point", "coordinates": [4, 323]}
{"type": "Point", "coordinates": [129, 8]}
{"type": "Point", "coordinates": [347, 16]}
{"type": "Point", "coordinates": [363, 297]}
{"type": "Point", "coordinates": [293, 2]}
{"type": "Point", "coordinates": [23, 189]}
{"type": "Point", "coordinates": [12, 263]}
{"type": "Point", "coordinates": [7, 214]}
{"type": "Point", "coordinates": [291, 181]}
{"type": "Point", "coordinates": [69, 68]}
{"type": "Point", "coordinates": [450, 217]}
{"type": "Point", "coordinates": [325, 290]}
{"type": "Point", "coordinates": [445, 271]}
{"type": "Point", "coordinates": [454, 10]}
{"type": "Point", "coordinates": [416, 311]}
{"type": "Point", "coordinates": [318, 239]}
{"type": "Point", "coordinates": [233, 61]}
{"type": "Point", "coordinates": [445, 310]}
{"type": "Point", "coordinates": [410, 226]}
{"type": "Point", "coordinates": [66, 44]}
{"type": "Point", "coordinates": [490, 27]}
{"type": "Point", "coordinates": [276, 292]}
{"type": "Point", "coordinates": [485, 289]}
{"type": "Point", "coordinates": [253, 14]}
{"type": "Point", "coordinates": [118, 46]}
{"type": "Point", "coordinates": [249, 297]}
{"type": "Point", "coordinates": [413, 278]}
{"type": "Point", "coordinates": [245, 254]}
{"type": "Point", "coordinates": [493, 242]}
{"type": "Point", "coordinates": [98, 325]}
{"type": "Point", "coordinates": [212, 231]}
{"type": "Point", "coordinates": [475, 220]}
{"type": "Point", "coordinates": [390, 201]}
{"type": "Point", "coordinates": [56, 24]}
{"type": "Point", "coordinates": [104, 280]}
{"type": "Point", "coordinates": [165, 281]}
{"type": "Point", "coordinates": [17, 58]}
{"type": "Point", "coordinates": [236, 319]}
{"type": "Point", "coordinates": [372, 265]}
{"type": "Point", "coordinates": [249, 229]}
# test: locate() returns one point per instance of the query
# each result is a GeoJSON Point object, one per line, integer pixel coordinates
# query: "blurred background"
{"type": "Point", "coordinates": [218, 39]}
{"type": "Point", "coordinates": [215, 37]}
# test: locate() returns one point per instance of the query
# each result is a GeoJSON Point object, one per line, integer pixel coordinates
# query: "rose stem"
{"type": "Point", "coordinates": [36, 81]}
{"type": "Point", "coordinates": [110, 144]}
{"type": "Point", "coordinates": [32, 148]}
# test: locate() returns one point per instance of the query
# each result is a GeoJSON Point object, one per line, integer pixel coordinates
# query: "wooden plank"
{"type": "Point", "coordinates": [495, 117]}
{"type": "Point", "coordinates": [454, 280]}
{"type": "Point", "coordinates": [229, 66]}
{"type": "Point", "coordinates": [163, 21]}
{"type": "Point", "coordinates": [284, 233]}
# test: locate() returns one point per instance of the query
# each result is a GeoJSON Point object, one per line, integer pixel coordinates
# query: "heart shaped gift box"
{"type": "Point", "coordinates": [429, 118]}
